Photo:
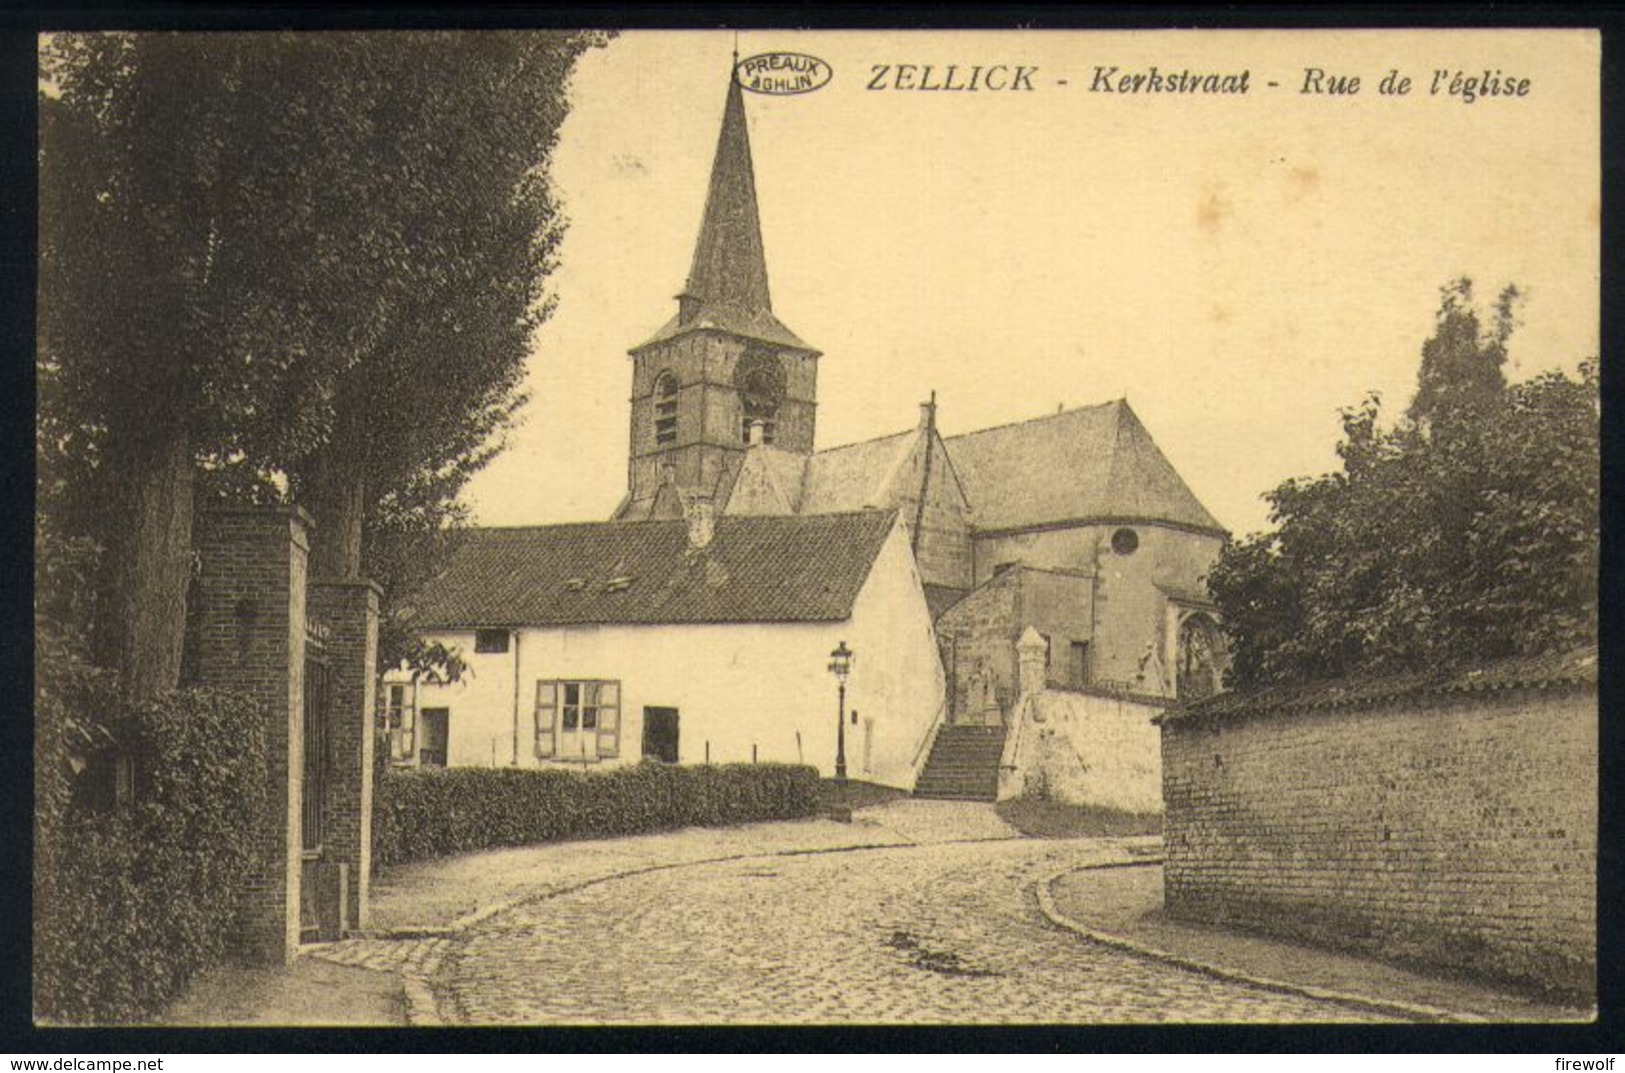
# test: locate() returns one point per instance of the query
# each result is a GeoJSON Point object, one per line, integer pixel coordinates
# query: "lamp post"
{"type": "Point", "coordinates": [840, 665]}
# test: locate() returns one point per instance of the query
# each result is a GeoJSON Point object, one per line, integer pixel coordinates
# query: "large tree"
{"type": "Point", "coordinates": [307, 258]}
{"type": "Point", "coordinates": [1464, 532]}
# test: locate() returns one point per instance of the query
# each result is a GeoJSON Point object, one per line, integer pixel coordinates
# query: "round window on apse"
{"type": "Point", "coordinates": [1125, 541]}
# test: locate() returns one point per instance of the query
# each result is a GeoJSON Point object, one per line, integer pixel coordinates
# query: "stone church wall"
{"type": "Point", "coordinates": [977, 640]}
{"type": "Point", "coordinates": [1455, 831]}
{"type": "Point", "coordinates": [1128, 648]}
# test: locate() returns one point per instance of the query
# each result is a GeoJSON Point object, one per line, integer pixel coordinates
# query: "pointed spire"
{"type": "Point", "coordinates": [729, 273]}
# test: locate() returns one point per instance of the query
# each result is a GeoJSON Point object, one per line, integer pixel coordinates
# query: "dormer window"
{"type": "Point", "coordinates": [666, 410]}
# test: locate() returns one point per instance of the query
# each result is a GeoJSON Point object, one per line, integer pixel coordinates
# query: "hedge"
{"type": "Point", "coordinates": [131, 902]}
{"type": "Point", "coordinates": [433, 813]}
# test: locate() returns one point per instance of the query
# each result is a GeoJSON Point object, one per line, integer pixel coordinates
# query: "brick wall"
{"type": "Point", "coordinates": [249, 624]}
{"type": "Point", "coordinates": [1457, 831]}
{"type": "Point", "coordinates": [349, 611]}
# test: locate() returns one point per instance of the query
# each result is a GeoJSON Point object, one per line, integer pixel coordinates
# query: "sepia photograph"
{"type": "Point", "coordinates": [764, 527]}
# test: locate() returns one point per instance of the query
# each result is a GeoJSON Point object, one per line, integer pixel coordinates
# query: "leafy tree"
{"type": "Point", "coordinates": [309, 264]}
{"type": "Point", "coordinates": [1466, 532]}
{"type": "Point", "coordinates": [1461, 363]}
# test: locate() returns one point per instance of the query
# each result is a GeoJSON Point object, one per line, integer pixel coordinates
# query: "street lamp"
{"type": "Point", "coordinates": [840, 665]}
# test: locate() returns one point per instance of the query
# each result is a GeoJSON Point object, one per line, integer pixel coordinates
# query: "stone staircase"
{"type": "Point", "coordinates": [963, 765]}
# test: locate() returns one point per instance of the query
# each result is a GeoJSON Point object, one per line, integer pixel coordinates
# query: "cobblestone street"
{"type": "Point", "coordinates": [945, 933]}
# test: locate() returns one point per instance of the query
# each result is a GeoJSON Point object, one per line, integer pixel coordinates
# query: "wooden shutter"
{"type": "Point", "coordinates": [547, 706]}
{"type": "Point", "coordinates": [609, 719]}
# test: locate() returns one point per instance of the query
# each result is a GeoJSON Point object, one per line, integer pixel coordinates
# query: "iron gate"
{"type": "Point", "coordinates": [313, 794]}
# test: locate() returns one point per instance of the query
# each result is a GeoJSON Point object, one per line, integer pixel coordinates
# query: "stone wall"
{"type": "Point", "coordinates": [1088, 749]}
{"type": "Point", "coordinates": [1456, 830]}
{"type": "Point", "coordinates": [977, 639]}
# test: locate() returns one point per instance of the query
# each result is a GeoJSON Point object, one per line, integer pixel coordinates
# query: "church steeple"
{"type": "Point", "coordinates": [728, 277]}
{"type": "Point", "coordinates": [723, 375]}
{"type": "Point", "coordinates": [727, 280]}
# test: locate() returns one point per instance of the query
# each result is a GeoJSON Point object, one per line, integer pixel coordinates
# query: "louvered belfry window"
{"type": "Point", "coordinates": [666, 410]}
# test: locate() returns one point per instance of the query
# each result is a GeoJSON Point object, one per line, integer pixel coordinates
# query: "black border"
{"type": "Point", "coordinates": [18, 26]}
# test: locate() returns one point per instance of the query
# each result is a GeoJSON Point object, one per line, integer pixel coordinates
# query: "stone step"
{"type": "Point", "coordinates": [957, 784]}
{"type": "Point", "coordinates": [945, 795]}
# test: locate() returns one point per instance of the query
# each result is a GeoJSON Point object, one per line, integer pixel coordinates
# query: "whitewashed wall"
{"type": "Point", "coordinates": [736, 686]}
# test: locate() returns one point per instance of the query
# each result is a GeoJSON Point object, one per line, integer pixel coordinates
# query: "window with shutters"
{"type": "Point", "coordinates": [400, 721]}
{"type": "Point", "coordinates": [578, 720]}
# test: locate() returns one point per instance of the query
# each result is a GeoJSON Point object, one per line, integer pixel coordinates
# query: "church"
{"type": "Point", "coordinates": [744, 547]}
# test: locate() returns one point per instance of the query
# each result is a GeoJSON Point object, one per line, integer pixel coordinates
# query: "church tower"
{"type": "Point", "coordinates": [724, 371]}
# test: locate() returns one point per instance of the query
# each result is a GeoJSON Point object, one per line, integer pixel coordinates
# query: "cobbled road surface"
{"type": "Point", "coordinates": [944, 933]}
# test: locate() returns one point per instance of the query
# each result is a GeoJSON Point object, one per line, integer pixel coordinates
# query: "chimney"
{"type": "Point", "coordinates": [928, 413]}
{"type": "Point", "coordinates": [688, 308]}
{"type": "Point", "coordinates": [700, 515]}
{"type": "Point", "coordinates": [758, 429]}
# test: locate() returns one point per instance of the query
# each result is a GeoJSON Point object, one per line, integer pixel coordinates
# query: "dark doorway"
{"type": "Point", "coordinates": [660, 734]}
{"type": "Point", "coordinates": [433, 751]}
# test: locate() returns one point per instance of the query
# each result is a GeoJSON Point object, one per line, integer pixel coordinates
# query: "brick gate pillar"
{"type": "Point", "coordinates": [250, 638]}
{"type": "Point", "coordinates": [349, 612]}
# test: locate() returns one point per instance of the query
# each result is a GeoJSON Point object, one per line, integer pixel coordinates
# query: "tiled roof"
{"type": "Point", "coordinates": [768, 482]}
{"type": "Point", "coordinates": [1575, 667]}
{"type": "Point", "coordinates": [1088, 463]}
{"type": "Point", "coordinates": [855, 476]}
{"type": "Point", "coordinates": [761, 324]}
{"type": "Point", "coordinates": [756, 569]}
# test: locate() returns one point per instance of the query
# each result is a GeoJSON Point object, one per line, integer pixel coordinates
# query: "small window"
{"type": "Point", "coordinates": [490, 641]}
{"type": "Point", "coordinates": [1125, 541]}
{"type": "Point", "coordinates": [665, 410]}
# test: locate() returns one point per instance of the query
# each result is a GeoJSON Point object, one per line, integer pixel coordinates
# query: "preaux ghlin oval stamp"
{"type": "Point", "coordinates": [782, 73]}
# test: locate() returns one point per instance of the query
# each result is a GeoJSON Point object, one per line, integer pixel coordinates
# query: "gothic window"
{"type": "Point", "coordinates": [665, 410]}
{"type": "Point", "coordinates": [761, 381]}
{"type": "Point", "coordinates": [1200, 658]}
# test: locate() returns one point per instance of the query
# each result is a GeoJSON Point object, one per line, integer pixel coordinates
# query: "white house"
{"type": "Point", "coordinates": [693, 640]}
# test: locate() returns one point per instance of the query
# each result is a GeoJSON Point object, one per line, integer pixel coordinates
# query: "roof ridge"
{"type": "Point", "coordinates": [1041, 417]}
{"type": "Point", "coordinates": [862, 443]}
{"type": "Point", "coordinates": [673, 521]}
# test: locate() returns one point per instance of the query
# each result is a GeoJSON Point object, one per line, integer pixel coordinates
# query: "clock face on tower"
{"type": "Point", "coordinates": [760, 379]}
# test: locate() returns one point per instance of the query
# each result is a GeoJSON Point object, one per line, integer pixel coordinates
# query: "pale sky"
{"type": "Point", "coordinates": [1237, 267]}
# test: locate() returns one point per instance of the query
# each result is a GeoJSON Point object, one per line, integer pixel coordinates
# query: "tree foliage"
{"type": "Point", "coordinates": [1465, 532]}
{"type": "Point", "coordinates": [302, 266]}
